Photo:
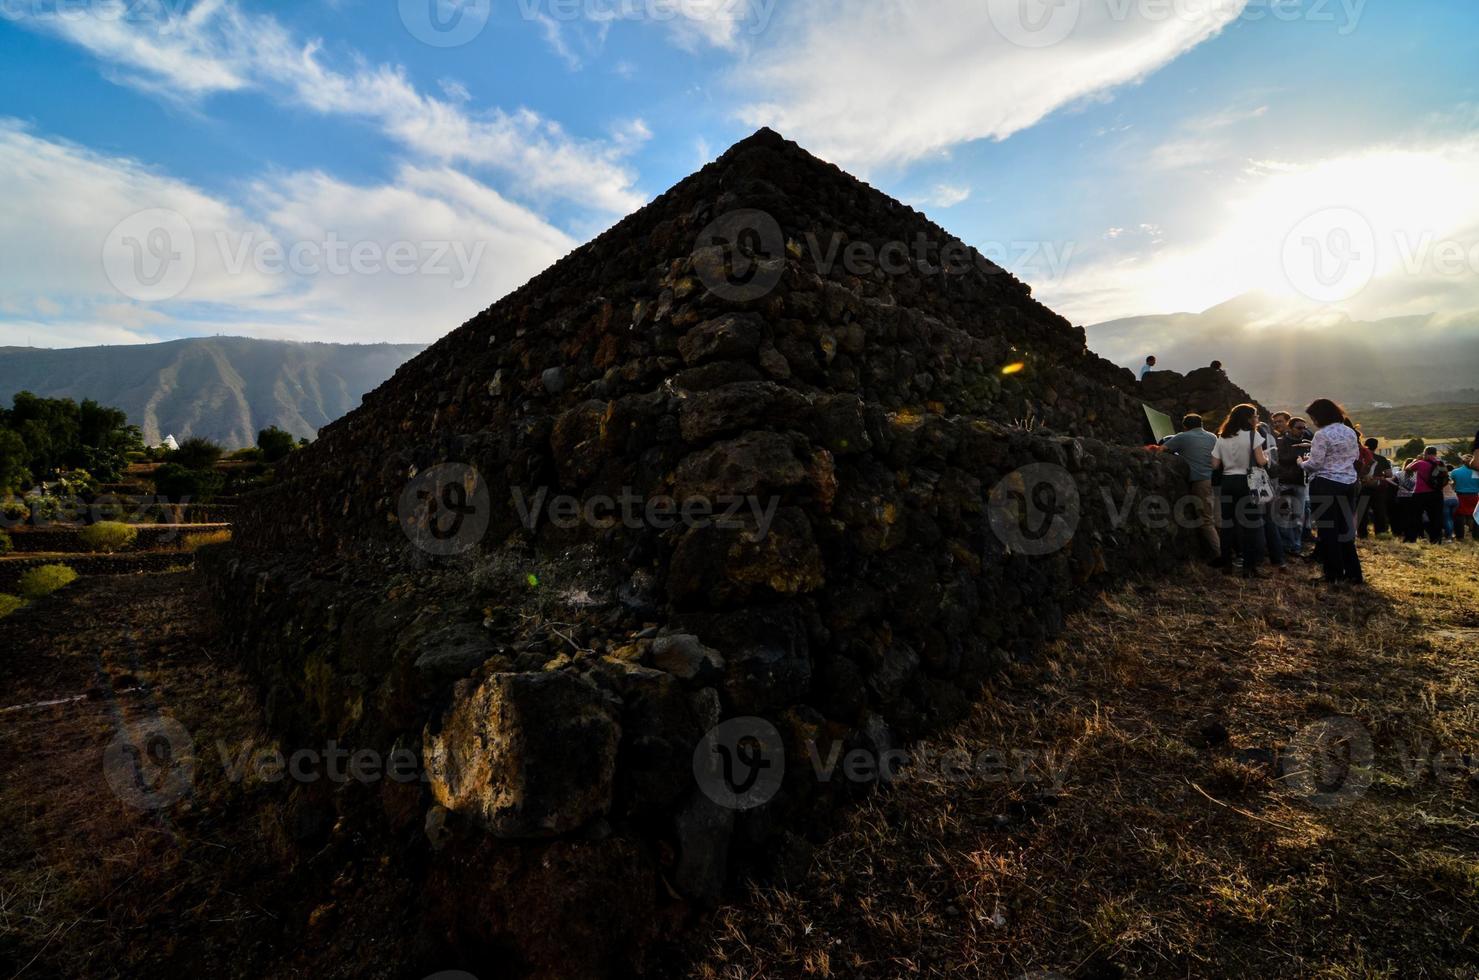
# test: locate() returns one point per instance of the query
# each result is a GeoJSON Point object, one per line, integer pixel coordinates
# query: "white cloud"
{"type": "Point", "coordinates": [439, 247]}
{"type": "Point", "coordinates": [1394, 230]}
{"type": "Point", "coordinates": [946, 196]}
{"type": "Point", "coordinates": [24, 333]}
{"type": "Point", "coordinates": [217, 47]}
{"type": "Point", "coordinates": [893, 81]}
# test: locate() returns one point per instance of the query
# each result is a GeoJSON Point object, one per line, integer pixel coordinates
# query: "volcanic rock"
{"type": "Point", "coordinates": [774, 451]}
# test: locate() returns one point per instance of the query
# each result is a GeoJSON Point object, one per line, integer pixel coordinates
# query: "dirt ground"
{"type": "Point", "coordinates": [102, 875]}
{"type": "Point", "coordinates": [1207, 778]}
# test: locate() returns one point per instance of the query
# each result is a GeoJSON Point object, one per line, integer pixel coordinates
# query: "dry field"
{"type": "Point", "coordinates": [1261, 780]}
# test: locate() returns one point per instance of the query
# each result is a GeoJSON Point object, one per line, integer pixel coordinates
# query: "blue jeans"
{"type": "Point", "coordinates": [1450, 508]}
{"type": "Point", "coordinates": [1292, 505]}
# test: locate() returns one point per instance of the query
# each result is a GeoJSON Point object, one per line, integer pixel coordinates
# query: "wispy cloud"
{"type": "Point", "coordinates": [443, 246]}
{"type": "Point", "coordinates": [893, 81]}
{"type": "Point", "coordinates": [215, 46]}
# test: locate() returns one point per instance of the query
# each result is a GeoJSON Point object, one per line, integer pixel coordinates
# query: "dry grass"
{"type": "Point", "coordinates": [1184, 839]}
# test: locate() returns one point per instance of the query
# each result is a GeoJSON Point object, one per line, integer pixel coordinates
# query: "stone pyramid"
{"type": "Point", "coordinates": [775, 460]}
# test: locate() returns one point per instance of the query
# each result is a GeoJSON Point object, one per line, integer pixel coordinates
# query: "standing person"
{"type": "Point", "coordinates": [1194, 444]}
{"type": "Point", "coordinates": [1466, 485]}
{"type": "Point", "coordinates": [1411, 522]}
{"type": "Point", "coordinates": [1450, 507]}
{"type": "Point", "coordinates": [1306, 531]}
{"type": "Point", "coordinates": [1331, 464]}
{"type": "Point", "coordinates": [1427, 495]}
{"type": "Point", "coordinates": [1148, 367]}
{"type": "Point", "coordinates": [1376, 490]}
{"type": "Point", "coordinates": [1240, 448]}
{"type": "Point", "coordinates": [1273, 539]}
{"type": "Point", "coordinates": [1293, 486]}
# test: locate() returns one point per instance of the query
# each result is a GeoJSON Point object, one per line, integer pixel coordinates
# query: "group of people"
{"type": "Point", "coordinates": [1425, 498]}
{"type": "Point", "coordinates": [1263, 487]}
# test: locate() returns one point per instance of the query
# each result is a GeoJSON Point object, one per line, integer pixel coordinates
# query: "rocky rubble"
{"type": "Point", "coordinates": [1207, 391]}
{"type": "Point", "coordinates": [908, 476]}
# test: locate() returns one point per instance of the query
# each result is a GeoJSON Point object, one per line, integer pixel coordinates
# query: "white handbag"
{"type": "Point", "coordinates": [1260, 487]}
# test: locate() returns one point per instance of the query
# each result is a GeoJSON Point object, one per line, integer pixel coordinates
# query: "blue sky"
{"type": "Point", "coordinates": [1128, 157]}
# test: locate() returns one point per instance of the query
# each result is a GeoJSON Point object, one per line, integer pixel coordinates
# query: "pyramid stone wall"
{"type": "Point", "coordinates": [938, 472]}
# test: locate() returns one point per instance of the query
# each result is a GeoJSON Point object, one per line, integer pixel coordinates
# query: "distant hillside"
{"type": "Point", "coordinates": [1286, 358]}
{"type": "Point", "coordinates": [224, 388]}
{"type": "Point", "coordinates": [1428, 421]}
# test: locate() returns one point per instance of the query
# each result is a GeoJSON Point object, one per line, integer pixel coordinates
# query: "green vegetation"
{"type": "Point", "coordinates": [180, 483]}
{"type": "Point", "coordinates": [9, 604]}
{"type": "Point", "coordinates": [43, 437]}
{"type": "Point", "coordinates": [1427, 421]}
{"type": "Point", "coordinates": [45, 580]}
{"type": "Point", "coordinates": [275, 443]}
{"type": "Point", "coordinates": [196, 453]}
{"type": "Point", "coordinates": [6, 545]}
{"type": "Point", "coordinates": [108, 536]}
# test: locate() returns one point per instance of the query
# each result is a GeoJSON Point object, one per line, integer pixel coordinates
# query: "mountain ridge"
{"type": "Point", "coordinates": [223, 388]}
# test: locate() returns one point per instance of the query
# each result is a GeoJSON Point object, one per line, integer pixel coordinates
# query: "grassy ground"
{"type": "Point", "coordinates": [1214, 816]}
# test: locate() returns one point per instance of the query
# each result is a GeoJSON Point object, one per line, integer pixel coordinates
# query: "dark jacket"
{"type": "Point", "coordinates": [1290, 447]}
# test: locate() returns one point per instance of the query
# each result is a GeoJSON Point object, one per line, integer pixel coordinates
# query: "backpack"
{"type": "Point", "coordinates": [1438, 477]}
{"type": "Point", "coordinates": [1364, 464]}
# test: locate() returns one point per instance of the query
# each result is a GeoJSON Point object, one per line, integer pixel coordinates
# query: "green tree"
{"type": "Point", "coordinates": [274, 443]}
{"type": "Point", "coordinates": [196, 453]}
{"type": "Point", "coordinates": [179, 483]}
{"type": "Point", "coordinates": [1409, 449]}
{"type": "Point", "coordinates": [15, 474]}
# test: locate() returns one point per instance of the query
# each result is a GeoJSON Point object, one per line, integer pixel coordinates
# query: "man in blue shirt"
{"type": "Point", "coordinates": [1466, 485]}
{"type": "Point", "coordinates": [1194, 444]}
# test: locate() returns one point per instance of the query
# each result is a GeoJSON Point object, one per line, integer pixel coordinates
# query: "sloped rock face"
{"type": "Point", "coordinates": [701, 474]}
{"type": "Point", "coordinates": [1207, 392]}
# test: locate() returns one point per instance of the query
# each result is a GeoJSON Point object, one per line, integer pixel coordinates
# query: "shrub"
{"type": "Point", "coordinates": [275, 443]}
{"type": "Point", "coordinates": [108, 536]}
{"type": "Point", "coordinates": [196, 453]}
{"type": "Point", "coordinates": [193, 541]}
{"type": "Point", "coordinates": [9, 604]}
{"type": "Point", "coordinates": [6, 545]}
{"type": "Point", "coordinates": [45, 580]}
{"type": "Point", "coordinates": [13, 510]}
{"type": "Point", "coordinates": [179, 484]}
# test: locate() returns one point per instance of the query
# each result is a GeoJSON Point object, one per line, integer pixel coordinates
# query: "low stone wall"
{"type": "Point", "coordinates": [14, 566]}
{"type": "Point", "coordinates": [60, 538]}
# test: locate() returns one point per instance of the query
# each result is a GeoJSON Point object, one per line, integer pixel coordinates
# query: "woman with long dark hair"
{"type": "Point", "coordinates": [1240, 448]}
{"type": "Point", "coordinates": [1331, 464]}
